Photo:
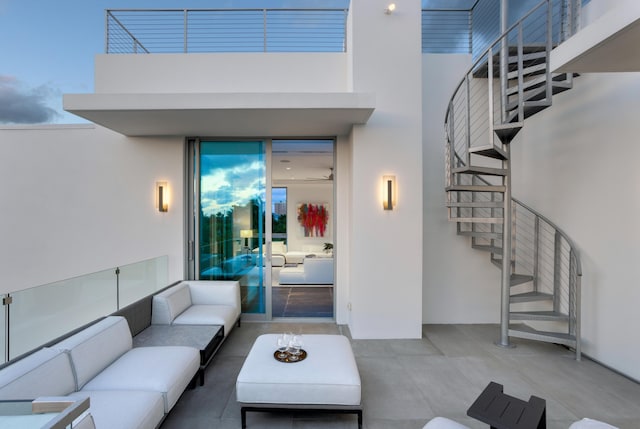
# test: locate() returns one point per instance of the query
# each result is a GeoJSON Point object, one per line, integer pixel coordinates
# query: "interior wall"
{"type": "Point", "coordinates": [80, 199]}
{"type": "Point", "coordinates": [460, 284]}
{"type": "Point", "coordinates": [575, 162]}
{"type": "Point", "coordinates": [386, 246]}
{"type": "Point", "coordinates": [315, 193]}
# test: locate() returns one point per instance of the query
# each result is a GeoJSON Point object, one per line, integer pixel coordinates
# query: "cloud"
{"type": "Point", "coordinates": [20, 105]}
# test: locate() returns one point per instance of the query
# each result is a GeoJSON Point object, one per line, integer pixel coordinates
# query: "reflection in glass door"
{"type": "Point", "coordinates": [230, 225]}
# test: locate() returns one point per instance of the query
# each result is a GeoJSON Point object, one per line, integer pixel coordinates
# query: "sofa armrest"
{"type": "Point", "coordinates": [168, 304]}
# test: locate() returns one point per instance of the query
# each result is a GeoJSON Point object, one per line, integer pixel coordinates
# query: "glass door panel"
{"type": "Point", "coordinates": [231, 228]}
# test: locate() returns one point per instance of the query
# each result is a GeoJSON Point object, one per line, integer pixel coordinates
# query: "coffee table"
{"type": "Point", "coordinates": [327, 380]}
{"type": "Point", "coordinates": [206, 338]}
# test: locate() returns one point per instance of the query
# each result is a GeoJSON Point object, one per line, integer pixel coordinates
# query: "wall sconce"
{"type": "Point", "coordinates": [389, 10]}
{"type": "Point", "coordinates": [162, 196]}
{"type": "Point", "coordinates": [389, 192]}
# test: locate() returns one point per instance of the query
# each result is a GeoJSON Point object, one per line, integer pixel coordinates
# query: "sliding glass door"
{"type": "Point", "coordinates": [260, 213]}
{"type": "Point", "coordinates": [230, 225]}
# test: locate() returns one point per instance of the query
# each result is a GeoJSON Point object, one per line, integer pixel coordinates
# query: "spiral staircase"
{"type": "Point", "coordinates": [508, 83]}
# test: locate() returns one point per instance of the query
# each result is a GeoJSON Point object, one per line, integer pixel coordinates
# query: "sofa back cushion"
{"type": "Point", "coordinates": [46, 372]}
{"type": "Point", "coordinates": [168, 304]}
{"type": "Point", "coordinates": [278, 247]}
{"type": "Point", "coordinates": [96, 347]}
{"type": "Point", "coordinates": [217, 292]}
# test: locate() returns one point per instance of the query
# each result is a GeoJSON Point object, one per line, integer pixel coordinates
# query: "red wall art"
{"type": "Point", "coordinates": [313, 218]}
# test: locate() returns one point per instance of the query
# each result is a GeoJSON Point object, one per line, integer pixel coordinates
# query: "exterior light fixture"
{"type": "Point", "coordinates": [389, 192]}
{"type": "Point", "coordinates": [389, 10]}
{"type": "Point", "coordinates": [162, 196]}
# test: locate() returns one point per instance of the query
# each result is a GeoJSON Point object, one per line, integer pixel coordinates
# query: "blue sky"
{"type": "Point", "coordinates": [47, 49]}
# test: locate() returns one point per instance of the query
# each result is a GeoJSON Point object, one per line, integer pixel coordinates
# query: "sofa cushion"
{"type": "Point", "coordinates": [168, 304]}
{"type": "Point", "coordinates": [46, 372]}
{"type": "Point", "coordinates": [160, 369]}
{"type": "Point", "coordinates": [96, 347]}
{"type": "Point", "coordinates": [215, 292]}
{"type": "Point", "coordinates": [124, 409]}
{"type": "Point", "coordinates": [292, 275]}
{"type": "Point", "coordinates": [209, 315]}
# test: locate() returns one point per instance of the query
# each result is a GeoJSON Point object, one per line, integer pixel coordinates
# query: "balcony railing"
{"type": "Point", "coordinates": [35, 316]}
{"type": "Point", "coordinates": [135, 31]}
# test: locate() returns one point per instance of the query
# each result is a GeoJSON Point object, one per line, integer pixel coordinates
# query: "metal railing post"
{"type": "Point", "coordinates": [106, 31]}
{"type": "Point", "coordinates": [264, 29]}
{"type": "Point", "coordinates": [186, 30]}
{"type": "Point", "coordinates": [6, 303]}
{"type": "Point", "coordinates": [468, 118]}
{"type": "Point", "coordinates": [536, 252]}
{"type": "Point", "coordinates": [557, 260]}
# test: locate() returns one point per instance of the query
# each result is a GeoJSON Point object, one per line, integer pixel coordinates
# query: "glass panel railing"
{"type": "Point", "coordinates": [141, 279]}
{"type": "Point", "coordinates": [3, 330]}
{"type": "Point", "coordinates": [43, 313]}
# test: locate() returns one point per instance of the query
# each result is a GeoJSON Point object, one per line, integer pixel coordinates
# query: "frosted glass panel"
{"type": "Point", "coordinates": [142, 278]}
{"type": "Point", "coordinates": [43, 313]}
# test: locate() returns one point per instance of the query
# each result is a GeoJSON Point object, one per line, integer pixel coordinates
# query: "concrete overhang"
{"type": "Point", "coordinates": [225, 114]}
{"type": "Point", "coordinates": [609, 44]}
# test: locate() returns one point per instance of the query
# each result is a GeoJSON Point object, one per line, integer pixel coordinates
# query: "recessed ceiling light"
{"type": "Point", "coordinates": [288, 168]}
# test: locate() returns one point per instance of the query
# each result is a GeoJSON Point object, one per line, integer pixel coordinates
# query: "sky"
{"type": "Point", "coordinates": [47, 49]}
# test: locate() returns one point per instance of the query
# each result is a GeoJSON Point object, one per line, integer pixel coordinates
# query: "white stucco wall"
{"type": "Point", "coordinates": [80, 199]}
{"type": "Point", "coordinates": [576, 163]}
{"type": "Point", "coordinates": [460, 284]}
{"type": "Point", "coordinates": [386, 249]}
{"type": "Point", "coordinates": [221, 72]}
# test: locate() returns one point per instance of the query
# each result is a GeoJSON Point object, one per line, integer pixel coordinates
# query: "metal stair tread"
{"type": "Point", "coordinates": [475, 188]}
{"type": "Point", "coordinates": [477, 219]}
{"type": "Point", "coordinates": [530, 109]}
{"type": "Point", "coordinates": [490, 151]}
{"type": "Point", "coordinates": [481, 234]}
{"type": "Point", "coordinates": [529, 71]}
{"type": "Point", "coordinates": [558, 81]}
{"type": "Point", "coordinates": [506, 132]}
{"type": "Point", "coordinates": [538, 315]}
{"type": "Point", "coordinates": [488, 171]}
{"type": "Point", "coordinates": [530, 297]}
{"type": "Point", "coordinates": [486, 248]}
{"type": "Point", "coordinates": [475, 204]}
{"type": "Point", "coordinates": [518, 279]}
{"type": "Point", "coordinates": [521, 330]}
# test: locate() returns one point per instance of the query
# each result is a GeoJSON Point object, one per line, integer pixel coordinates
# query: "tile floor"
{"type": "Point", "coordinates": [407, 382]}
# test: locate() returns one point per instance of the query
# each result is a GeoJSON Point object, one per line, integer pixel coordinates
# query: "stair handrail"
{"type": "Point", "coordinates": [564, 235]}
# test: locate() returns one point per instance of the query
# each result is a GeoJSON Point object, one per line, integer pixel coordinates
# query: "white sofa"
{"type": "Point", "coordinates": [298, 256]}
{"type": "Point", "coordinates": [198, 303]}
{"type": "Point", "coordinates": [128, 387]}
{"type": "Point", "coordinates": [314, 271]}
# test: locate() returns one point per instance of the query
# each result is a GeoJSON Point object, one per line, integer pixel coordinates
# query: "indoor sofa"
{"type": "Point", "coordinates": [198, 302]}
{"type": "Point", "coordinates": [127, 387]}
{"type": "Point", "coordinates": [314, 271]}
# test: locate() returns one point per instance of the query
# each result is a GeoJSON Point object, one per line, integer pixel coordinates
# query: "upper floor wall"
{"type": "Point", "coordinates": [324, 72]}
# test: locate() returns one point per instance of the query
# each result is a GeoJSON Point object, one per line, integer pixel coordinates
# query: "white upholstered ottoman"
{"type": "Point", "coordinates": [326, 381]}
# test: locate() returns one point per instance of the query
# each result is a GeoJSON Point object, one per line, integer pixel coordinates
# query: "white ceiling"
{"type": "Point", "coordinates": [302, 161]}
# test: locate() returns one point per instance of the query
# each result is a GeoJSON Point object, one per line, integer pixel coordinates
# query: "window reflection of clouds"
{"type": "Point", "coordinates": [230, 180]}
